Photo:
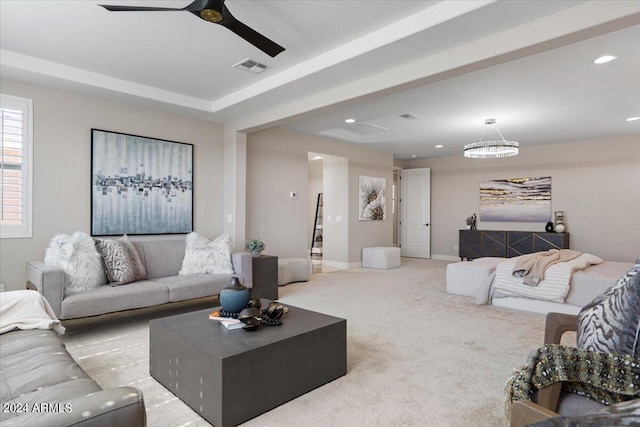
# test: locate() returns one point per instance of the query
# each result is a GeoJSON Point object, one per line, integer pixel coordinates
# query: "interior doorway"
{"type": "Point", "coordinates": [315, 221]}
{"type": "Point", "coordinates": [395, 213]}
{"type": "Point", "coordinates": [415, 213]}
{"type": "Point", "coordinates": [328, 214]}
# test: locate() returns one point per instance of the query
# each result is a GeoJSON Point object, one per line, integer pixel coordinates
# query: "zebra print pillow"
{"type": "Point", "coordinates": [611, 322]}
{"type": "Point", "coordinates": [121, 261]}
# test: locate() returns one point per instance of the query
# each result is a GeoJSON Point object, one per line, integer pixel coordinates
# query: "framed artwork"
{"type": "Point", "coordinates": [516, 200]}
{"type": "Point", "coordinates": [372, 197]}
{"type": "Point", "coordinates": [140, 185]}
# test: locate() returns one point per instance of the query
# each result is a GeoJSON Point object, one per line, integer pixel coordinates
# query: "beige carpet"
{"type": "Point", "coordinates": [416, 355]}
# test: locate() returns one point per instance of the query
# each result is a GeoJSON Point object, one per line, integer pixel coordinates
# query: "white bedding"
{"type": "Point", "coordinates": [555, 285]}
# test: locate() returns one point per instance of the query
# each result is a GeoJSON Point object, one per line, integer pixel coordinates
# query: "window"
{"type": "Point", "coordinates": [16, 150]}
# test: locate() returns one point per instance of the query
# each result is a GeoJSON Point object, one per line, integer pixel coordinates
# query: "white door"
{"type": "Point", "coordinates": [415, 213]}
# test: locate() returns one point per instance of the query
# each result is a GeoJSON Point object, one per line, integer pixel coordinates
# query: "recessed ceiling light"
{"type": "Point", "coordinates": [349, 120]}
{"type": "Point", "coordinates": [604, 59]}
{"type": "Point", "coordinates": [413, 156]}
{"type": "Point", "coordinates": [439, 146]}
{"type": "Point", "coordinates": [632, 119]}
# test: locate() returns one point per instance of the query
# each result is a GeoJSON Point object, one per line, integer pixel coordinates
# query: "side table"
{"type": "Point", "coordinates": [265, 277]}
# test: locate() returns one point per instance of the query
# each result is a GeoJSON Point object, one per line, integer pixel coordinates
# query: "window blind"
{"type": "Point", "coordinates": [15, 126]}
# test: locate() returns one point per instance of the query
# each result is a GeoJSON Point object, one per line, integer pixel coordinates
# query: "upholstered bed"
{"type": "Point", "coordinates": [477, 279]}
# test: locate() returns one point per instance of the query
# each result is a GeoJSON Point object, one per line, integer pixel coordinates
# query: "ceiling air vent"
{"type": "Point", "coordinates": [251, 66]}
{"type": "Point", "coordinates": [408, 116]}
{"type": "Point", "coordinates": [362, 128]}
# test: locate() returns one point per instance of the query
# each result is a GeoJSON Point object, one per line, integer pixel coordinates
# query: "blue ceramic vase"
{"type": "Point", "coordinates": [234, 297]}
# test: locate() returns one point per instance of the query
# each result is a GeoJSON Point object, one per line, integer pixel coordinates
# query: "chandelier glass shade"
{"type": "Point", "coordinates": [491, 149]}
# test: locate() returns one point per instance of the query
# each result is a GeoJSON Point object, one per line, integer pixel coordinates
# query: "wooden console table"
{"type": "Point", "coordinates": [507, 244]}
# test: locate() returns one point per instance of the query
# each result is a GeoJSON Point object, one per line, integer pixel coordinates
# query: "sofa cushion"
{"type": "Point", "coordinates": [37, 359]}
{"type": "Point", "coordinates": [161, 257]}
{"type": "Point", "coordinates": [107, 299]}
{"type": "Point", "coordinates": [60, 393]}
{"type": "Point", "coordinates": [77, 256]}
{"type": "Point", "coordinates": [611, 322]}
{"type": "Point", "coordinates": [204, 256]}
{"type": "Point", "coordinates": [193, 286]}
{"type": "Point", "coordinates": [121, 261]}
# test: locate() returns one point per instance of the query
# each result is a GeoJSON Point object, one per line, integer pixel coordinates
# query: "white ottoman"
{"type": "Point", "coordinates": [471, 278]}
{"type": "Point", "coordinates": [382, 258]}
{"type": "Point", "coordinates": [293, 270]}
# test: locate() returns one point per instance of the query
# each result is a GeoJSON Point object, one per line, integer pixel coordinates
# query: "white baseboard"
{"type": "Point", "coordinates": [445, 257]}
{"type": "Point", "coordinates": [341, 265]}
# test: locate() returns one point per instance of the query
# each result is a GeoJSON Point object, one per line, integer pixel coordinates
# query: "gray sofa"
{"type": "Point", "coordinates": [41, 385]}
{"type": "Point", "coordinates": [162, 258]}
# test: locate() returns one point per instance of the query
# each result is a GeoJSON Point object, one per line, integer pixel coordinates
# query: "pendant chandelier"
{"type": "Point", "coordinates": [481, 149]}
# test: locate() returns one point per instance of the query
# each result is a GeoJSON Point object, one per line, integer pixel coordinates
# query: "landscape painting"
{"type": "Point", "coordinates": [140, 185]}
{"type": "Point", "coordinates": [516, 200]}
{"type": "Point", "coordinates": [372, 197]}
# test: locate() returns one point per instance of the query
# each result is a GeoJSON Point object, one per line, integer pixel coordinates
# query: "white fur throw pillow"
{"type": "Point", "coordinates": [204, 256]}
{"type": "Point", "coordinates": [78, 257]}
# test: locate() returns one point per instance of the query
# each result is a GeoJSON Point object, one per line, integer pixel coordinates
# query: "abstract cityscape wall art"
{"type": "Point", "coordinates": [372, 198]}
{"type": "Point", "coordinates": [140, 185]}
{"type": "Point", "coordinates": [516, 200]}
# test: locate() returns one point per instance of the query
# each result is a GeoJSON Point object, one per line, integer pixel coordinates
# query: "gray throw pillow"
{"type": "Point", "coordinates": [121, 261]}
{"type": "Point", "coordinates": [611, 322]}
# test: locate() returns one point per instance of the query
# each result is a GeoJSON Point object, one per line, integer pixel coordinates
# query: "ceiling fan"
{"type": "Point", "coordinates": [213, 11]}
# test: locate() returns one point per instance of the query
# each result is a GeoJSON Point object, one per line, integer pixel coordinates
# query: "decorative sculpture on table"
{"type": "Point", "coordinates": [472, 222]}
{"type": "Point", "coordinates": [252, 317]}
{"type": "Point", "coordinates": [234, 297]}
{"type": "Point", "coordinates": [560, 222]}
{"type": "Point", "coordinates": [237, 303]}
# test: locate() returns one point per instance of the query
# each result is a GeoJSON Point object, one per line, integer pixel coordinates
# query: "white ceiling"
{"type": "Point", "coordinates": [452, 64]}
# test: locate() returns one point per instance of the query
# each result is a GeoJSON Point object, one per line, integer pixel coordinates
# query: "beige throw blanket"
{"type": "Point", "coordinates": [27, 310]}
{"type": "Point", "coordinates": [532, 267]}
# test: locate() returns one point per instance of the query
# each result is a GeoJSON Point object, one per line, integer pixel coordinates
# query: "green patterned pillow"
{"type": "Point", "coordinates": [611, 322]}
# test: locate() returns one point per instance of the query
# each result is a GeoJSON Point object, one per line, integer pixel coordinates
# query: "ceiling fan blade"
{"type": "Point", "coordinates": [213, 11]}
{"type": "Point", "coordinates": [136, 8]}
{"type": "Point", "coordinates": [266, 45]}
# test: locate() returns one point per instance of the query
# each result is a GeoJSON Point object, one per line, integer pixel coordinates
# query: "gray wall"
{"type": "Point", "coordinates": [62, 166]}
{"type": "Point", "coordinates": [335, 178]}
{"type": "Point", "coordinates": [277, 163]}
{"type": "Point", "coordinates": [367, 233]}
{"type": "Point", "coordinates": [595, 182]}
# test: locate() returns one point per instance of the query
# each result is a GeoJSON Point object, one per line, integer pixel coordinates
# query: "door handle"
{"type": "Point", "coordinates": [427, 224]}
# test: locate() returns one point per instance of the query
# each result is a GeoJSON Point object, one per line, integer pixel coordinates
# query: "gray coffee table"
{"type": "Point", "coordinates": [231, 376]}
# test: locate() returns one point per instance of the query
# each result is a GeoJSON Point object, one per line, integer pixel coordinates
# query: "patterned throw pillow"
{"type": "Point", "coordinates": [204, 256]}
{"type": "Point", "coordinates": [121, 261]}
{"type": "Point", "coordinates": [76, 254]}
{"type": "Point", "coordinates": [611, 322]}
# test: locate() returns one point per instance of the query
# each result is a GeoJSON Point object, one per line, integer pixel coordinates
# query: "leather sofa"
{"type": "Point", "coordinates": [41, 385]}
{"type": "Point", "coordinates": [162, 258]}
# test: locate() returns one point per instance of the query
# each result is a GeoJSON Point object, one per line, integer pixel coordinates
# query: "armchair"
{"type": "Point", "coordinates": [551, 401]}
